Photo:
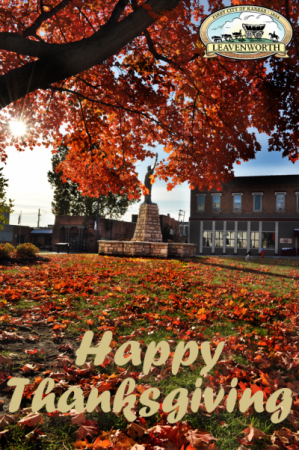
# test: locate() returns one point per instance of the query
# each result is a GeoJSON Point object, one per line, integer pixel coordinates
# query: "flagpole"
{"type": "Point", "coordinates": [20, 228]}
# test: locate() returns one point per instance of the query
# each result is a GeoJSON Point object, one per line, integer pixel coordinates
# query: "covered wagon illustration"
{"type": "Point", "coordinates": [253, 31]}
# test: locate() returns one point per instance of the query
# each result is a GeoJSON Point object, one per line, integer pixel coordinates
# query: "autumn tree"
{"type": "Point", "coordinates": [126, 75]}
{"type": "Point", "coordinates": [68, 199]}
{"type": "Point", "coordinates": [5, 204]}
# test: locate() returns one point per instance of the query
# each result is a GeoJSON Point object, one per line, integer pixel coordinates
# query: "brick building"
{"type": "Point", "coordinates": [80, 233]}
{"type": "Point", "coordinates": [15, 234]}
{"type": "Point", "coordinates": [249, 213]}
{"type": "Point", "coordinates": [42, 237]}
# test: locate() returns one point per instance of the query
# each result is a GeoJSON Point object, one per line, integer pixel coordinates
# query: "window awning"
{"type": "Point", "coordinates": [50, 231]}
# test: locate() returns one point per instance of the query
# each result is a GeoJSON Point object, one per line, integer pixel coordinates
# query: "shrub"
{"type": "Point", "coordinates": [27, 249]}
{"type": "Point", "coordinates": [6, 250]}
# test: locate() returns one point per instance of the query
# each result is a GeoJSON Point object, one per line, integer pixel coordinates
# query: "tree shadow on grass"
{"type": "Point", "coordinates": [244, 269]}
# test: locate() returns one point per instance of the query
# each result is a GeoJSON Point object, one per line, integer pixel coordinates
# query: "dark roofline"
{"type": "Point", "coordinates": [257, 176]}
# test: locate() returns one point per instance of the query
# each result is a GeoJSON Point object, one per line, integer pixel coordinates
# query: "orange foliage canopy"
{"type": "Point", "coordinates": [126, 75]}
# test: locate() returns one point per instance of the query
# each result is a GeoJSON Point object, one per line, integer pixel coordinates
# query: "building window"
{"type": "Point", "coordinates": [237, 202]}
{"type": "Point", "coordinates": [216, 202]}
{"type": "Point", "coordinates": [230, 238]}
{"type": "Point", "coordinates": [254, 239]}
{"type": "Point", "coordinates": [201, 202]}
{"type": "Point", "coordinates": [186, 230]}
{"type": "Point", "coordinates": [218, 238]}
{"type": "Point", "coordinates": [280, 201]}
{"type": "Point", "coordinates": [268, 240]}
{"type": "Point", "coordinates": [242, 239]}
{"type": "Point", "coordinates": [257, 202]}
{"type": "Point", "coordinates": [207, 238]}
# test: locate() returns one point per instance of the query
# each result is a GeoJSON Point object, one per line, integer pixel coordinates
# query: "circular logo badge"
{"type": "Point", "coordinates": [246, 32]}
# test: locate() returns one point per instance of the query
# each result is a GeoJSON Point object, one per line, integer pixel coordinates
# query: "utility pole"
{"type": "Point", "coordinates": [97, 224]}
{"type": "Point", "coordinates": [38, 218]}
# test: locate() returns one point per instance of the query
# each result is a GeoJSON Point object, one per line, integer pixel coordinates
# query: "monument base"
{"type": "Point", "coordinates": [148, 228]}
{"type": "Point", "coordinates": [147, 249]}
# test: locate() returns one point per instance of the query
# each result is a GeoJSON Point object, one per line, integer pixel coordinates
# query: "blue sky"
{"type": "Point", "coordinates": [30, 190]}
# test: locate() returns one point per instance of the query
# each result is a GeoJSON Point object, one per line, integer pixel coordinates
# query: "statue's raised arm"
{"type": "Point", "coordinates": [155, 163]}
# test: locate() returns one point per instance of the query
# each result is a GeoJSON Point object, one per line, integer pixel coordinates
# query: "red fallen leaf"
{"type": "Point", "coordinates": [31, 338]}
{"type": "Point", "coordinates": [35, 434]}
{"type": "Point", "coordinates": [266, 379]}
{"type": "Point", "coordinates": [56, 413]}
{"type": "Point", "coordinates": [76, 418]}
{"type": "Point", "coordinates": [5, 360]}
{"type": "Point", "coordinates": [100, 444]}
{"type": "Point", "coordinates": [135, 431]}
{"type": "Point", "coordinates": [59, 327]}
{"type": "Point", "coordinates": [124, 443]}
{"type": "Point", "coordinates": [107, 361]}
{"type": "Point", "coordinates": [81, 444]}
{"type": "Point", "coordinates": [5, 420]}
{"type": "Point", "coordinates": [87, 428]}
{"type": "Point", "coordinates": [242, 386]}
{"type": "Point", "coordinates": [196, 437]}
{"type": "Point", "coordinates": [31, 352]}
{"type": "Point", "coordinates": [65, 347]}
{"type": "Point", "coordinates": [31, 420]}
{"type": "Point", "coordinates": [254, 433]}
{"type": "Point", "coordinates": [30, 368]}
{"type": "Point", "coordinates": [3, 432]}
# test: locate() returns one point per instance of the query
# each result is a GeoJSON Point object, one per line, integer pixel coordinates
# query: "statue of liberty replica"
{"type": "Point", "coordinates": [148, 228]}
{"type": "Point", "coordinates": [148, 184]}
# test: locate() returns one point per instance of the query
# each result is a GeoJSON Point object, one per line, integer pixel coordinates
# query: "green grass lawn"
{"type": "Point", "coordinates": [252, 306]}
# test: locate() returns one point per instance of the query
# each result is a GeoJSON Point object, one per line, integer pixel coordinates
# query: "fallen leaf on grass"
{"type": "Point", "coordinates": [3, 432]}
{"type": "Point", "coordinates": [76, 418]}
{"type": "Point", "coordinates": [31, 420]}
{"type": "Point", "coordinates": [88, 428]}
{"type": "Point", "coordinates": [65, 347]}
{"type": "Point", "coordinates": [254, 433]}
{"type": "Point", "coordinates": [35, 434]}
{"type": "Point", "coordinates": [81, 444]}
{"type": "Point", "coordinates": [30, 368]}
{"type": "Point", "coordinates": [5, 420]}
{"type": "Point", "coordinates": [124, 443]}
{"type": "Point", "coordinates": [135, 431]}
{"type": "Point", "coordinates": [196, 437]}
{"type": "Point", "coordinates": [98, 443]}
{"type": "Point", "coordinates": [5, 360]}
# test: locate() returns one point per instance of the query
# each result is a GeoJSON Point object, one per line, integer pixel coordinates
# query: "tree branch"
{"type": "Point", "coordinates": [154, 52]}
{"type": "Point", "coordinates": [60, 61]}
{"type": "Point", "coordinates": [117, 12]}
{"type": "Point", "coordinates": [117, 106]}
{"type": "Point", "coordinates": [31, 31]}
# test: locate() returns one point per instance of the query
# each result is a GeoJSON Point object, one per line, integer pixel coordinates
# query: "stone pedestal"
{"type": "Point", "coordinates": [147, 240]}
{"type": "Point", "coordinates": [148, 228]}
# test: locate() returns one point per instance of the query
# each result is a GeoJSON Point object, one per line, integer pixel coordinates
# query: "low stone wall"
{"type": "Point", "coordinates": [181, 250]}
{"type": "Point", "coordinates": [153, 249]}
{"type": "Point", "coordinates": [111, 247]}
